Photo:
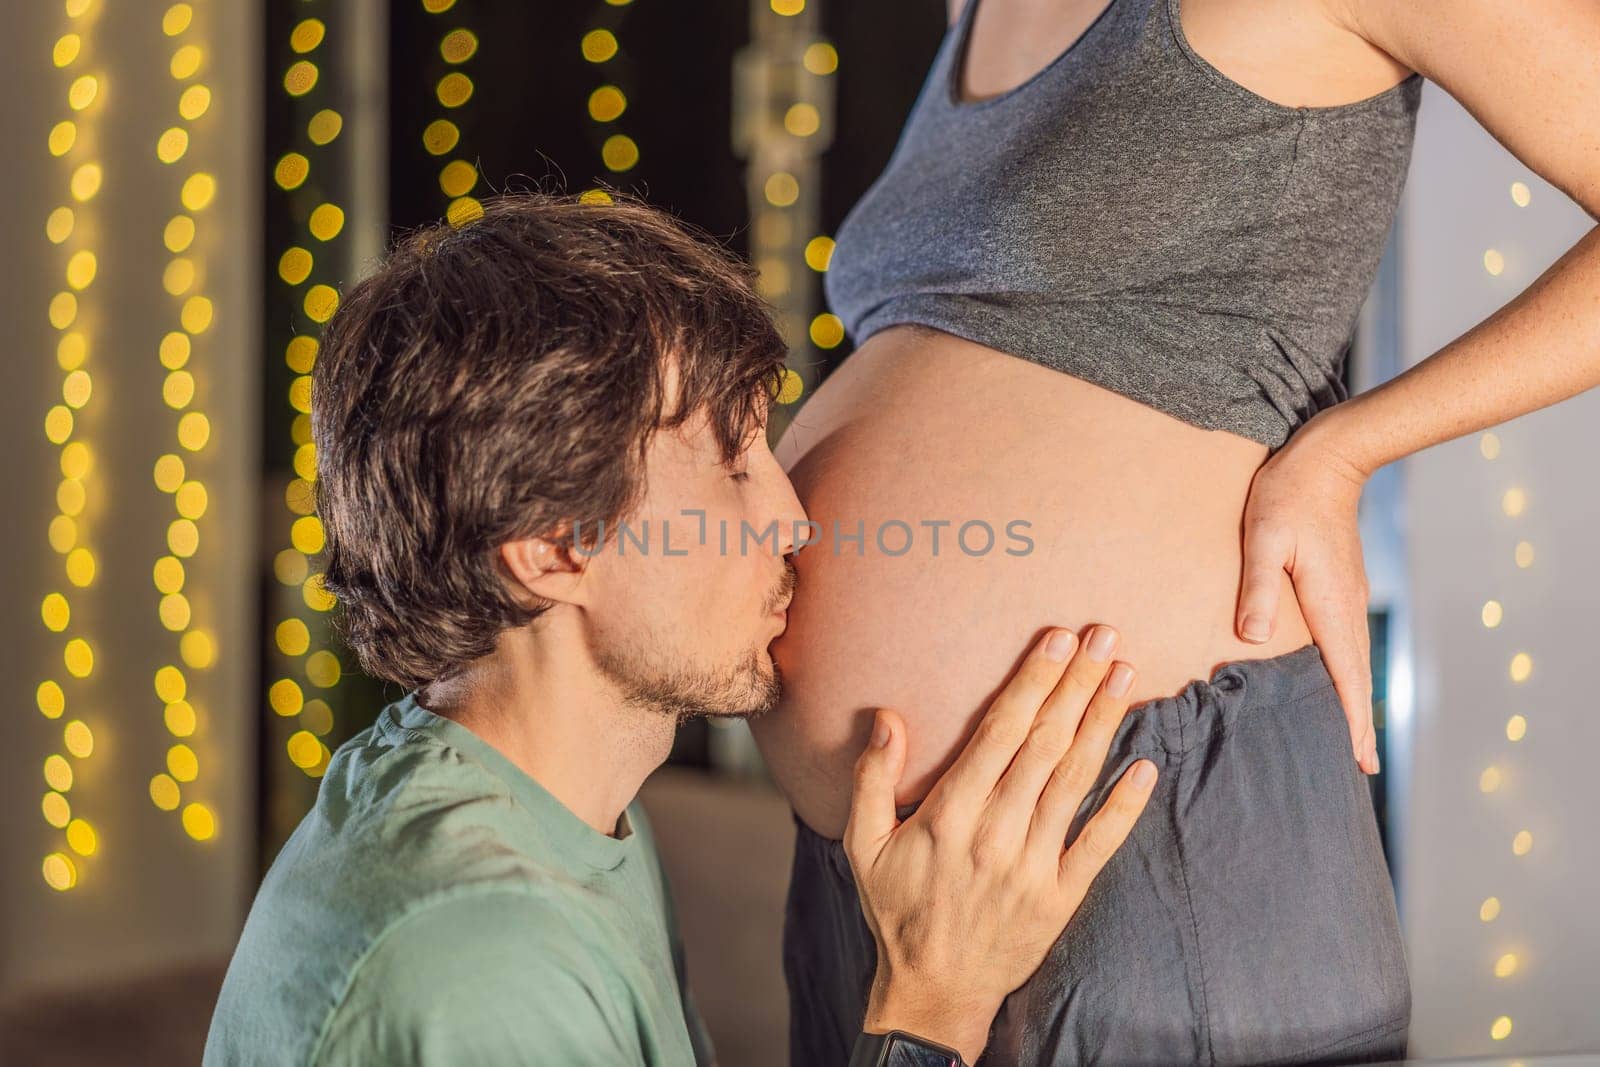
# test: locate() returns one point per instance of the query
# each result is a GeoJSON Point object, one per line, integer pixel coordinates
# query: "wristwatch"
{"type": "Point", "coordinates": [900, 1049]}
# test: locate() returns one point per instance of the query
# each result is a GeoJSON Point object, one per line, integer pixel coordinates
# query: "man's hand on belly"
{"type": "Point", "coordinates": [966, 895]}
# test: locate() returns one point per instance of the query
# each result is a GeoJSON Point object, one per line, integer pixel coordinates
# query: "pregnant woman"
{"type": "Point", "coordinates": [1101, 295]}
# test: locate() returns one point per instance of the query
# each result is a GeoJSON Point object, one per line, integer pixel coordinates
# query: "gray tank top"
{"type": "Point", "coordinates": [1131, 216]}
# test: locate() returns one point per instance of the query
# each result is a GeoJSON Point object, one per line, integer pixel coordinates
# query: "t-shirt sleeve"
{"type": "Point", "coordinates": [478, 979]}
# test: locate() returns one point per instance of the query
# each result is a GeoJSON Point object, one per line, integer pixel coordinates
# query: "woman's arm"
{"type": "Point", "coordinates": [1529, 71]}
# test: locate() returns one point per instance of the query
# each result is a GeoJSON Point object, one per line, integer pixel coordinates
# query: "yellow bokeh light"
{"type": "Point", "coordinates": [782, 189]}
{"type": "Point", "coordinates": [440, 136]}
{"type": "Point", "coordinates": [66, 50]}
{"type": "Point", "coordinates": [78, 658]}
{"type": "Point", "coordinates": [174, 612]}
{"type": "Point", "coordinates": [300, 434]}
{"type": "Point", "coordinates": [81, 837]}
{"type": "Point", "coordinates": [177, 19]}
{"type": "Point", "coordinates": [293, 637]}
{"type": "Point", "coordinates": [463, 210]}
{"type": "Point", "coordinates": [598, 46]}
{"type": "Point", "coordinates": [59, 872]}
{"type": "Point", "coordinates": [178, 234]}
{"type": "Point", "coordinates": [180, 718]}
{"type": "Point", "coordinates": [51, 700]}
{"type": "Point", "coordinates": [179, 276]}
{"type": "Point", "coordinates": [1489, 446]}
{"type": "Point", "coordinates": [305, 461]}
{"type": "Point", "coordinates": [320, 303]}
{"type": "Point", "coordinates": [325, 222]}
{"type": "Point", "coordinates": [63, 534]}
{"type": "Point", "coordinates": [63, 310]}
{"type": "Point", "coordinates": [55, 611]}
{"type": "Point", "coordinates": [316, 716]}
{"type": "Point", "coordinates": [1492, 613]}
{"type": "Point", "coordinates": [316, 595]}
{"type": "Point", "coordinates": [72, 351]}
{"type": "Point", "coordinates": [1522, 843]}
{"type": "Point", "coordinates": [1521, 195]}
{"type": "Point", "coordinates": [1489, 780]}
{"type": "Point", "coordinates": [300, 497]}
{"type": "Point", "coordinates": [70, 496]}
{"type": "Point", "coordinates": [457, 178]}
{"type": "Point", "coordinates": [78, 738]}
{"type": "Point", "coordinates": [63, 135]}
{"type": "Point", "coordinates": [182, 763]}
{"type": "Point", "coordinates": [168, 574]}
{"type": "Point", "coordinates": [58, 773]}
{"type": "Point", "coordinates": [1521, 667]}
{"type": "Point", "coordinates": [291, 171]}
{"type": "Point", "coordinates": [198, 822]}
{"type": "Point", "coordinates": [175, 350]}
{"type": "Point", "coordinates": [306, 535]}
{"type": "Point", "coordinates": [434, 7]}
{"type": "Point", "coordinates": [172, 144]}
{"type": "Point", "coordinates": [827, 330]}
{"type": "Point", "coordinates": [190, 500]}
{"type": "Point", "coordinates": [1523, 554]}
{"type": "Point", "coordinates": [802, 120]}
{"type": "Point", "coordinates": [197, 649]}
{"type": "Point", "coordinates": [285, 697]}
{"type": "Point", "coordinates": [1506, 965]}
{"type": "Point", "coordinates": [305, 749]}
{"type": "Point", "coordinates": [81, 269]}
{"type": "Point", "coordinates": [301, 354]}
{"type": "Point", "coordinates": [195, 317]}
{"type": "Point", "coordinates": [80, 567]}
{"type": "Point", "coordinates": [82, 92]}
{"type": "Point", "coordinates": [1501, 1029]}
{"type": "Point", "coordinates": [607, 103]}
{"type": "Point", "coordinates": [594, 196]}
{"type": "Point", "coordinates": [454, 89]}
{"type": "Point", "coordinates": [85, 182]}
{"type": "Point", "coordinates": [194, 102]}
{"type": "Point", "coordinates": [183, 538]}
{"type": "Point", "coordinates": [307, 35]}
{"type": "Point", "coordinates": [169, 471]}
{"type": "Point", "coordinates": [323, 669]}
{"type": "Point", "coordinates": [58, 424]}
{"type": "Point", "coordinates": [290, 567]}
{"type": "Point", "coordinates": [58, 227]}
{"type": "Point", "coordinates": [788, 7]}
{"type": "Point", "coordinates": [300, 393]}
{"type": "Point", "coordinates": [619, 152]}
{"type": "Point", "coordinates": [1516, 728]}
{"type": "Point", "coordinates": [294, 266]}
{"type": "Point", "coordinates": [300, 78]}
{"type": "Point", "coordinates": [458, 46]}
{"type": "Point", "coordinates": [76, 459]}
{"type": "Point", "coordinates": [194, 431]}
{"type": "Point", "coordinates": [55, 809]}
{"type": "Point", "coordinates": [185, 62]}
{"type": "Point", "coordinates": [819, 253]}
{"type": "Point", "coordinates": [76, 388]}
{"type": "Point", "coordinates": [78, 8]}
{"type": "Point", "coordinates": [198, 191]}
{"type": "Point", "coordinates": [164, 792]}
{"type": "Point", "coordinates": [324, 126]}
{"type": "Point", "coordinates": [1494, 262]}
{"type": "Point", "coordinates": [170, 684]}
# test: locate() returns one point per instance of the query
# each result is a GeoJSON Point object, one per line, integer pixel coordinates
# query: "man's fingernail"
{"type": "Point", "coordinates": [1059, 647]}
{"type": "Point", "coordinates": [880, 733]}
{"type": "Point", "coordinates": [1144, 773]}
{"type": "Point", "coordinates": [1255, 627]}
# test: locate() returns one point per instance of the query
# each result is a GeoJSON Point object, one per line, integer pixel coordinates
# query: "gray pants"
{"type": "Point", "coordinates": [1249, 918]}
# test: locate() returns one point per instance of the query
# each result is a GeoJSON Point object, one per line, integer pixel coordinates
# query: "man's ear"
{"type": "Point", "coordinates": [549, 570]}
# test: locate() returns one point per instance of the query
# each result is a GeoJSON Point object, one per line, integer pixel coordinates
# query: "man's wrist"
{"type": "Point", "coordinates": [959, 1022]}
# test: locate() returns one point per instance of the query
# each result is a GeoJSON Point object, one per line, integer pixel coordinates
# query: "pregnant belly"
{"type": "Point", "coordinates": [965, 500]}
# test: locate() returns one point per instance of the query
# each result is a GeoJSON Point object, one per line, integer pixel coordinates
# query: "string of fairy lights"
{"type": "Point", "coordinates": [619, 152]}
{"type": "Point", "coordinates": [1513, 504]}
{"type": "Point", "coordinates": [300, 654]}
{"type": "Point", "coordinates": [183, 278]}
{"type": "Point", "coordinates": [458, 177]}
{"type": "Point", "coordinates": [72, 312]}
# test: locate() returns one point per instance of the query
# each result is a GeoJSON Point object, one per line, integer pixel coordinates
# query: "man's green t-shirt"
{"type": "Point", "coordinates": [437, 905]}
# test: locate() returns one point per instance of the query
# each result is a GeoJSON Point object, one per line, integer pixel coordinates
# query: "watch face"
{"type": "Point", "coordinates": [906, 1051]}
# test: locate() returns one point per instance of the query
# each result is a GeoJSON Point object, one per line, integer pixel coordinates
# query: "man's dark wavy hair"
{"type": "Point", "coordinates": [499, 379]}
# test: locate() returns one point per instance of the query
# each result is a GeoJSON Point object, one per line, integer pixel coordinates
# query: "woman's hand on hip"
{"type": "Point", "coordinates": [1302, 516]}
{"type": "Point", "coordinates": [966, 896]}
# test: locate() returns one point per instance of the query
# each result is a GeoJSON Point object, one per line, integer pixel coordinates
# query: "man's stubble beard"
{"type": "Point", "coordinates": [685, 693]}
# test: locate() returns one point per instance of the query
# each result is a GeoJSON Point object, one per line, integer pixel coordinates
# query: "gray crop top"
{"type": "Point", "coordinates": [1133, 217]}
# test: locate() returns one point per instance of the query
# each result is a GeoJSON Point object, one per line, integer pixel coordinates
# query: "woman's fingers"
{"type": "Point", "coordinates": [1077, 771]}
{"type": "Point", "coordinates": [1058, 728]}
{"type": "Point", "coordinates": [878, 769]}
{"type": "Point", "coordinates": [967, 785]}
{"type": "Point", "coordinates": [1104, 833]}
